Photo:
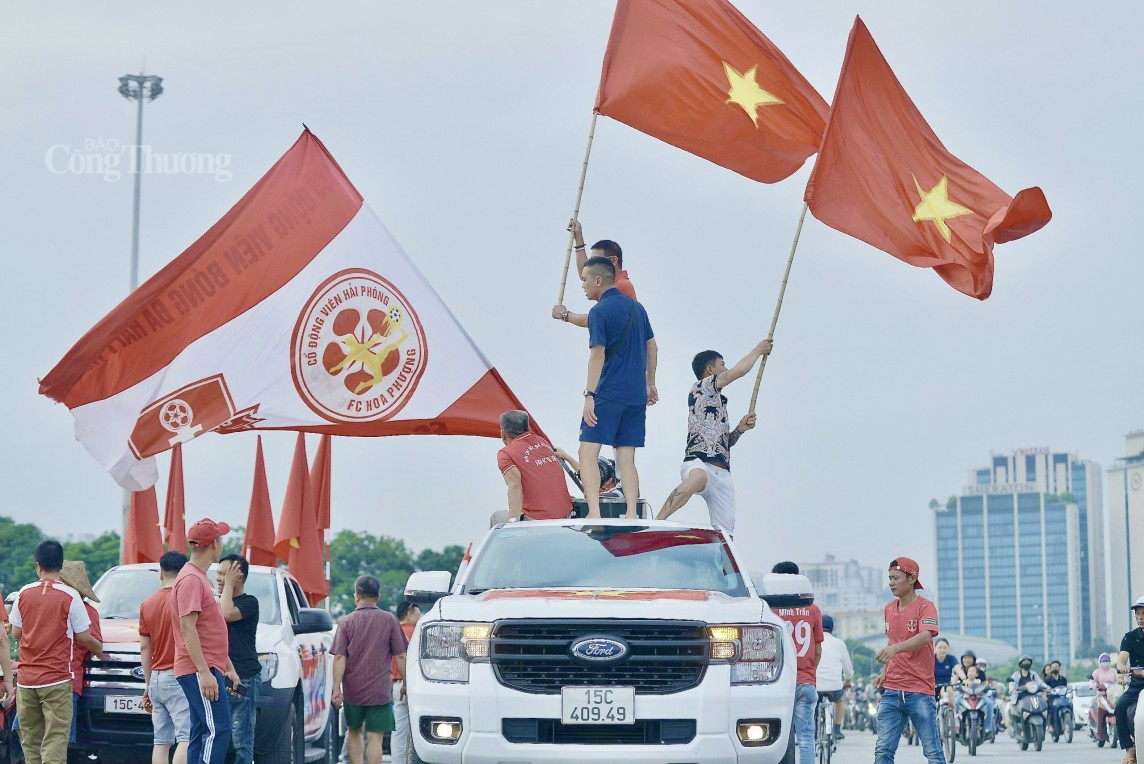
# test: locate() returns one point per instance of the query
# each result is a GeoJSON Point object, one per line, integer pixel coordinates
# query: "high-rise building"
{"type": "Point", "coordinates": [1126, 532]}
{"type": "Point", "coordinates": [852, 593]}
{"type": "Point", "coordinates": [1020, 554]}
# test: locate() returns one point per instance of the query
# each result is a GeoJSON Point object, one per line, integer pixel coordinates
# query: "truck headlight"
{"type": "Point", "coordinates": [447, 649]}
{"type": "Point", "coordinates": [753, 652]}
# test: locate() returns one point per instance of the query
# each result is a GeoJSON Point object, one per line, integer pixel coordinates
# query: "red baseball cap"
{"type": "Point", "coordinates": [205, 531]}
{"type": "Point", "coordinates": [909, 567]}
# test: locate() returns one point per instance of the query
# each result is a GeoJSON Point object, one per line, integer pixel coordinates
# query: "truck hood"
{"type": "Point", "coordinates": [674, 604]}
{"type": "Point", "coordinates": [121, 635]}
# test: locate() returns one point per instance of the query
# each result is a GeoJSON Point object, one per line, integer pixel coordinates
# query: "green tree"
{"type": "Point", "coordinates": [232, 542]}
{"type": "Point", "coordinates": [100, 553]}
{"type": "Point", "coordinates": [448, 559]}
{"type": "Point", "coordinates": [863, 659]}
{"type": "Point", "coordinates": [356, 553]}
{"type": "Point", "coordinates": [17, 543]}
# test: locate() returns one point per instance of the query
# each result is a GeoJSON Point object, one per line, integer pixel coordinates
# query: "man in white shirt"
{"type": "Point", "coordinates": [834, 673]}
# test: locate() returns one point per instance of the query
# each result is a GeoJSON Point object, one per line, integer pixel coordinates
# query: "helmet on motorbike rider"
{"type": "Point", "coordinates": [828, 623]}
{"type": "Point", "coordinates": [1104, 658]}
{"type": "Point", "coordinates": [968, 654]}
{"type": "Point", "coordinates": [1026, 663]}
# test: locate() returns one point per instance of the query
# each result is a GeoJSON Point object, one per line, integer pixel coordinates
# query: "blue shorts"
{"type": "Point", "coordinates": [616, 425]}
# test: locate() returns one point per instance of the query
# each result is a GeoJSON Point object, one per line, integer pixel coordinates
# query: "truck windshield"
{"type": "Point", "coordinates": [602, 556]}
{"type": "Point", "coordinates": [122, 591]}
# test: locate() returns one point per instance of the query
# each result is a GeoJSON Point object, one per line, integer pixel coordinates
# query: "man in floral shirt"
{"type": "Point", "coordinates": [707, 459]}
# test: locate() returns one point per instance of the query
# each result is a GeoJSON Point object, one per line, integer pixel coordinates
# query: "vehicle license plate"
{"type": "Point", "coordinates": [123, 704]}
{"type": "Point", "coordinates": [598, 705]}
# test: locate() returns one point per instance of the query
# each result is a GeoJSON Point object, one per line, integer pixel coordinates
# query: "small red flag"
{"type": "Point", "coordinates": [884, 177]}
{"type": "Point", "coordinates": [320, 482]}
{"type": "Point", "coordinates": [297, 540]}
{"type": "Point", "coordinates": [175, 517]}
{"type": "Point", "coordinates": [142, 539]}
{"type": "Point", "coordinates": [699, 75]}
{"type": "Point", "coordinates": [258, 539]}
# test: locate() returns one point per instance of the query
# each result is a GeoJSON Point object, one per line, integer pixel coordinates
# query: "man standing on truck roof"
{"type": "Point", "coordinates": [532, 472]}
{"type": "Point", "coordinates": [74, 574]}
{"type": "Point", "coordinates": [170, 712]}
{"type": "Point", "coordinates": [804, 624]}
{"type": "Point", "coordinates": [605, 248]}
{"type": "Point", "coordinates": [707, 457]}
{"type": "Point", "coordinates": [241, 613]}
{"type": "Point", "coordinates": [365, 641]}
{"type": "Point", "coordinates": [201, 660]}
{"type": "Point", "coordinates": [907, 679]}
{"type": "Point", "coordinates": [47, 619]}
{"type": "Point", "coordinates": [407, 615]}
{"type": "Point", "coordinates": [620, 386]}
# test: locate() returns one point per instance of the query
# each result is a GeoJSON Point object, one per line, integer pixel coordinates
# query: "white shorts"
{"type": "Point", "coordinates": [719, 493]}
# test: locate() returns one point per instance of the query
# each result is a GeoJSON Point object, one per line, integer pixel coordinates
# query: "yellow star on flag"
{"type": "Point", "coordinates": [936, 206]}
{"type": "Point", "coordinates": [745, 92]}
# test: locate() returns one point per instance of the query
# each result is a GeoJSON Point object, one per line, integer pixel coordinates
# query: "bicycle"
{"type": "Point", "coordinates": [947, 724]}
{"type": "Point", "coordinates": [824, 729]}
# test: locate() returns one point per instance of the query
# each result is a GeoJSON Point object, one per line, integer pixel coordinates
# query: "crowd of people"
{"type": "Point", "coordinates": [197, 644]}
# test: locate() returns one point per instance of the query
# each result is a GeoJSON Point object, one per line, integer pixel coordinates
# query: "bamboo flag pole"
{"type": "Point", "coordinates": [778, 306]}
{"type": "Point", "coordinates": [576, 209]}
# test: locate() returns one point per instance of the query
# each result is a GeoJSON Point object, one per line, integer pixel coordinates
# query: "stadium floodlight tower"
{"type": "Point", "coordinates": [141, 88]}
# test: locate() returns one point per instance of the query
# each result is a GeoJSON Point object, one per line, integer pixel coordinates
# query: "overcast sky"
{"type": "Point", "coordinates": [463, 124]}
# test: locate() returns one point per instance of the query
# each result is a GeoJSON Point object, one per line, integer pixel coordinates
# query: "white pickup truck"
{"type": "Point", "coordinates": [611, 640]}
{"type": "Point", "coordinates": [296, 721]}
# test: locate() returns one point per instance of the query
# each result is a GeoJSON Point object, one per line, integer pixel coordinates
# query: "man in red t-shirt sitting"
{"type": "Point", "coordinates": [532, 471]}
{"type": "Point", "coordinates": [804, 624]}
{"type": "Point", "coordinates": [907, 677]}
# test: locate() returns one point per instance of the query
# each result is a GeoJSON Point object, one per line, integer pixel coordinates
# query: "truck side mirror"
{"type": "Point", "coordinates": [425, 587]}
{"type": "Point", "coordinates": [312, 621]}
{"type": "Point", "coordinates": [786, 590]}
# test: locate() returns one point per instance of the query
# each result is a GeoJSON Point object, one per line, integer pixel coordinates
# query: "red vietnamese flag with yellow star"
{"type": "Point", "coordinates": [884, 177]}
{"type": "Point", "coordinates": [699, 75]}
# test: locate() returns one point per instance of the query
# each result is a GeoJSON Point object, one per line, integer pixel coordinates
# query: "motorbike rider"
{"type": "Point", "coordinates": [1022, 676]}
{"type": "Point", "coordinates": [1100, 680]}
{"type": "Point", "coordinates": [1054, 678]}
{"type": "Point", "coordinates": [1131, 656]}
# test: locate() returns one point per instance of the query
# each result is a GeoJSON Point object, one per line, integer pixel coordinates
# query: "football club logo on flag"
{"type": "Point", "coordinates": [359, 349]}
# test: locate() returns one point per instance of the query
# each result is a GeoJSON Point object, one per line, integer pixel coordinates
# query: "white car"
{"type": "Point", "coordinates": [610, 640]}
{"type": "Point", "coordinates": [1083, 695]}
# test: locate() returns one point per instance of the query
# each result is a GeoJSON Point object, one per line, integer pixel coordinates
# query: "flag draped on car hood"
{"type": "Point", "coordinates": [298, 311]}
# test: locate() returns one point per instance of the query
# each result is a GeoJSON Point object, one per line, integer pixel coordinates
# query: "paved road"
{"type": "Point", "coordinates": [858, 747]}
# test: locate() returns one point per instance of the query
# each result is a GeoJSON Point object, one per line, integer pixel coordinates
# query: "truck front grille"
{"type": "Point", "coordinates": [120, 671]}
{"type": "Point", "coordinates": [665, 657]}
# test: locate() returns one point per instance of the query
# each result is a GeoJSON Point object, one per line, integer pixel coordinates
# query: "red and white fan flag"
{"type": "Point", "coordinates": [296, 311]}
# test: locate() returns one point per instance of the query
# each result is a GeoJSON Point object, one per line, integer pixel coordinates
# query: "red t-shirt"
{"type": "Point", "coordinates": [157, 621]}
{"type": "Point", "coordinates": [50, 614]}
{"type": "Point", "coordinates": [804, 624]}
{"type": "Point", "coordinates": [544, 493]}
{"type": "Point", "coordinates": [193, 593]}
{"type": "Point", "coordinates": [911, 672]}
{"type": "Point", "coordinates": [80, 653]}
{"type": "Point", "coordinates": [624, 284]}
{"type": "Point", "coordinates": [407, 630]}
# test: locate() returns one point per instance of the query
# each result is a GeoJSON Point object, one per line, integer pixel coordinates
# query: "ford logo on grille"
{"type": "Point", "coordinates": [599, 649]}
{"type": "Point", "coordinates": [137, 672]}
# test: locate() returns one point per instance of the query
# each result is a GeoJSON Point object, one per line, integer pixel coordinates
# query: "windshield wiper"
{"type": "Point", "coordinates": [476, 591]}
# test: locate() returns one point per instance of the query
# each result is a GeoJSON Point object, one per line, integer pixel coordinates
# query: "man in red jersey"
{"type": "Point", "coordinates": [47, 620]}
{"type": "Point", "coordinates": [170, 713]}
{"type": "Point", "coordinates": [804, 624]}
{"type": "Point", "coordinates": [907, 677]}
{"type": "Point", "coordinates": [202, 662]}
{"type": "Point", "coordinates": [532, 472]}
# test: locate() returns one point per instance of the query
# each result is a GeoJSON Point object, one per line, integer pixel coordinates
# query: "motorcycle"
{"type": "Point", "coordinates": [872, 714]}
{"type": "Point", "coordinates": [1103, 730]}
{"type": "Point", "coordinates": [971, 716]}
{"type": "Point", "coordinates": [1060, 713]}
{"type": "Point", "coordinates": [1027, 716]}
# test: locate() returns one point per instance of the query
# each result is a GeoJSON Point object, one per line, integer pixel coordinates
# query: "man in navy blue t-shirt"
{"type": "Point", "coordinates": [621, 382]}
